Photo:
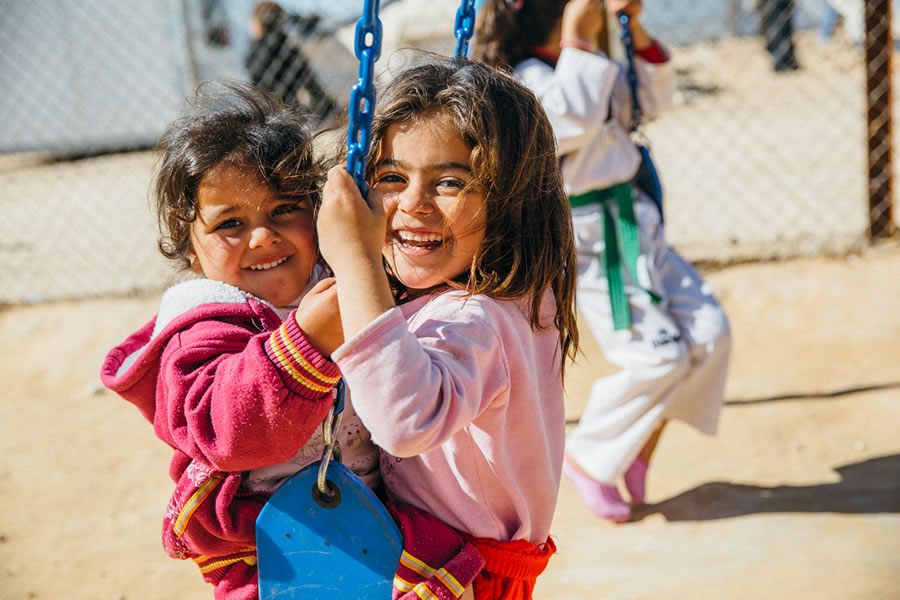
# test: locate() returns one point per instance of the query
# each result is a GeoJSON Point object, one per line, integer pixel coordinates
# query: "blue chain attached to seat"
{"type": "Point", "coordinates": [367, 46]}
{"type": "Point", "coordinates": [324, 533]}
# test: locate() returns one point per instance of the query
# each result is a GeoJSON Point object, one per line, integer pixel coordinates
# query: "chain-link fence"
{"type": "Point", "coordinates": [765, 154]}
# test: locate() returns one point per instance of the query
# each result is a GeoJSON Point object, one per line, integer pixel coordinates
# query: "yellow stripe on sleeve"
{"type": "Point", "coordinates": [401, 584]}
{"type": "Point", "coordinates": [424, 593]}
{"type": "Point", "coordinates": [450, 581]}
{"type": "Point", "coordinates": [293, 372]}
{"type": "Point", "coordinates": [194, 503]}
{"type": "Point", "coordinates": [282, 332]}
{"type": "Point", "coordinates": [414, 564]}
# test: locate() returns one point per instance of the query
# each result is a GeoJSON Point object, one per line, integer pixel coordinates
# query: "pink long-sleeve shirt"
{"type": "Point", "coordinates": [466, 401]}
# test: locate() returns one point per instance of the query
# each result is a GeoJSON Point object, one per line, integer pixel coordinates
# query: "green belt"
{"type": "Point", "coordinates": [623, 246]}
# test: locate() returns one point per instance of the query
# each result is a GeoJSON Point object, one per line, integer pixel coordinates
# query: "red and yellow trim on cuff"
{"type": "Point", "coordinates": [426, 572]}
{"type": "Point", "coordinates": [208, 564]}
{"type": "Point", "coordinates": [290, 358]}
{"type": "Point", "coordinates": [419, 589]}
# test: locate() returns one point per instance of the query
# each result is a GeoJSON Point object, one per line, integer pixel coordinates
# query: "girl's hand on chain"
{"type": "Point", "coordinates": [632, 8]}
{"type": "Point", "coordinates": [319, 317]}
{"type": "Point", "coordinates": [582, 20]}
{"type": "Point", "coordinates": [351, 230]}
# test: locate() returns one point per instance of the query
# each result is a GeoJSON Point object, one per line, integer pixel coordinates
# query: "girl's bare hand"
{"type": "Point", "coordinates": [319, 317]}
{"type": "Point", "coordinates": [582, 20]}
{"type": "Point", "coordinates": [632, 8]}
{"type": "Point", "coordinates": [351, 230]}
{"type": "Point", "coordinates": [351, 238]}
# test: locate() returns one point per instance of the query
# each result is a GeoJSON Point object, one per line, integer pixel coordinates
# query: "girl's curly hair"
{"type": "Point", "coordinates": [230, 122]}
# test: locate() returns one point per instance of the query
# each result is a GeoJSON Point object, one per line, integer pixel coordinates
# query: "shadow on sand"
{"type": "Point", "coordinates": [834, 394]}
{"type": "Point", "coordinates": [816, 395]}
{"type": "Point", "coordinates": [868, 487]}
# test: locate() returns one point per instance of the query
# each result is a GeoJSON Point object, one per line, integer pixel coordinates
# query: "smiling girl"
{"type": "Point", "coordinates": [233, 371]}
{"type": "Point", "coordinates": [455, 358]}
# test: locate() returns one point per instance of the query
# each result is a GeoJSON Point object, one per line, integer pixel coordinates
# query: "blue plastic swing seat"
{"type": "Point", "coordinates": [310, 546]}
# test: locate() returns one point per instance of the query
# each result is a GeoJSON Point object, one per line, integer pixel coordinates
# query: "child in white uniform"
{"type": "Point", "coordinates": [670, 337]}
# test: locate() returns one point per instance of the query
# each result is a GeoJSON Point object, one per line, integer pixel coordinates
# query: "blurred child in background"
{"type": "Point", "coordinates": [277, 62]}
{"type": "Point", "coordinates": [668, 335]}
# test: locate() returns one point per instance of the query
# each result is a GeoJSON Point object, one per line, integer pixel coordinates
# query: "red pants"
{"type": "Point", "coordinates": [437, 562]}
{"type": "Point", "coordinates": [511, 568]}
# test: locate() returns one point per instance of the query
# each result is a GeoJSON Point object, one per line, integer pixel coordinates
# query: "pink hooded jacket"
{"type": "Point", "coordinates": [230, 388]}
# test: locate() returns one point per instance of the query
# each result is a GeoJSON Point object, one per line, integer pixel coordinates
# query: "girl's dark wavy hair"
{"type": "Point", "coordinates": [528, 243]}
{"type": "Point", "coordinates": [504, 34]}
{"type": "Point", "coordinates": [230, 122]}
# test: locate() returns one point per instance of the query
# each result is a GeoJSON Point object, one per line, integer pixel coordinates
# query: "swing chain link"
{"type": "Point", "coordinates": [464, 27]}
{"type": "Point", "coordinates": [367, 46]}
{"type": "Point", "coordinates": [628, 43]}
{"type": "Point", "coordinates": [330, 428]}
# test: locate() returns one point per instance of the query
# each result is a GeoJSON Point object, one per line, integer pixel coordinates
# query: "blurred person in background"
{"type": "Point", "coordinates": [777, 26]}
{"type": "Point", "coordinates": [671, 338]}
{"type": "Point", "coordinates": [829, 22]}
{"type": "Point", "coordinates": [276, 61]}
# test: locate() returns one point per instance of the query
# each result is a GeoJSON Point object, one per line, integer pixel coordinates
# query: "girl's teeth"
{"type": "Point", "coordinates": [420, 239]}
{"type": "Point", "coordinates": [268, 265]}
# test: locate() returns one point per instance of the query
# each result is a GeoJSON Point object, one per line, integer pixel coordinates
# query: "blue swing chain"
{"type": "Point", "coordinates": [628, 43]}
{"type": "Point", "coordinates": [367, 46]}
{"type": "Point", "coordinates": [464, 27]}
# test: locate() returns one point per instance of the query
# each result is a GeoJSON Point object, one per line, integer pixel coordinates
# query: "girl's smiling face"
{"type": "Point", "coordinates": [433, 229]}
{"type": "Point", "coordinates": [246, 236]}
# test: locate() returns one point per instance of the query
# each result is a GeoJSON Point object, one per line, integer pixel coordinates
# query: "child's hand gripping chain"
{"type": "Point", "coordinates": [319, 316]}
{"type": "Point", "coordinates": [352, 237]}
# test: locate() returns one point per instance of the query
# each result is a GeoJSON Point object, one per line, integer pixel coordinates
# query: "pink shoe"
{"type": "Point", "coordinates": [603, 499]}
{"type": "Point", "coordinates": [636, 480]}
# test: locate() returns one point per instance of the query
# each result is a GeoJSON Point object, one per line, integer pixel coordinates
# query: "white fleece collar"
{"type": "Point", "coordinates": [188, 295]}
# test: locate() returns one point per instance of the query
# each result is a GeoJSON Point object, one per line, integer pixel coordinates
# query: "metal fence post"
{"type": "Point", "coordinates": [878, 51]}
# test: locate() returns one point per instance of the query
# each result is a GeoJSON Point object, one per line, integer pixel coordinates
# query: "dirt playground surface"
{"type": "Point", "coordinates": [797, 497]}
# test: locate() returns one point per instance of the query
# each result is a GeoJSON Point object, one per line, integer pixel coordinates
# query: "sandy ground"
{"type": "Point", "coordinates": [797, 497]}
